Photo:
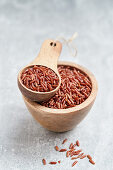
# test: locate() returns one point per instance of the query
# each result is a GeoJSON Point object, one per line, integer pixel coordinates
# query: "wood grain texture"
{"type": "Point", "coordinates": [48, 56]}
{"type": "Point", "coordinates": [61, 120]}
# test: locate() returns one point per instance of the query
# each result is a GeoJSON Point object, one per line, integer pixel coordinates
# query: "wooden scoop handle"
{"type": "Point", "coordinates": [49, 54]}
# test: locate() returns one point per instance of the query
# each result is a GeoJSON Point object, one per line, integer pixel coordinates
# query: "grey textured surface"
{"type": "Point", "coordinates": [24, 25]}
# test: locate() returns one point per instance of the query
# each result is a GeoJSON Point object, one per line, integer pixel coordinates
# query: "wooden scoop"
{"type": "Point", "coordinates": [48, 57]}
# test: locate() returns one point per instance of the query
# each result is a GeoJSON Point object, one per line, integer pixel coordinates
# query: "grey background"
{"type": "Point", "coordinates": [24, 25]}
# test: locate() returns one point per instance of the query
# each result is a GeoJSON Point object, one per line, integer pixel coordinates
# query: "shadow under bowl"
{"type": "Point", "coordinates": [61, 120]}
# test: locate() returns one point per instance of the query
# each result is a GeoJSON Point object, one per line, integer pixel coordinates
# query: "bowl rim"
{"type": "Point", "coordinates": [90, 99]}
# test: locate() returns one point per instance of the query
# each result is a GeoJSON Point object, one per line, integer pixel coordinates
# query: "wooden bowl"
{"type": "Point", "coordinates": [61, 120]}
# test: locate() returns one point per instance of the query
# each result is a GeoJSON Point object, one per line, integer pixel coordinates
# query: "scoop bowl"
{"type": "Point", "coordinates": [48, 57]}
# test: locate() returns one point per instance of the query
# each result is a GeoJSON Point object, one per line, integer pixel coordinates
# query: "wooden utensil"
{"type": "Point", "coordinates": [48, 57]}
{"type": "Point", "coordinates": [61, 120]}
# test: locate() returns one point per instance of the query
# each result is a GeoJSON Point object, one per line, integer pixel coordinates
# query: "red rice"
{"type": "Point", "coordinates": [40, 78]}
{"type": "Point", "coordinates": [65, 140]}
{"type": "Point", "coordinates": [67, 154]}
{"type": "Point", "coordinates": [82, 157]}
{"type": "Point", "coordinates": [75, 89]}
{"type": "Point", "coordinates": [74, 163]}
{"type": "Point", "coordinates": [56, 148]}
{"type": "Point", "coordinates": [89, 157]}
{"type": "Point", "coordinates": [74, 157]}
{"type": "Point", "coordinates": [44, 161]}
{"type": "Point", "coordinates": [53, 163]}
{"type": "Point", "coordinates": [77, 143]}
{"type": "Point", "coordinates": [91, 161]}
{"type": "Point", "coordinates": [63, 150]}
{"type": "Point", "coordinates": [71, 146]}
{"type": "Point", "coordinates": [71, 153]}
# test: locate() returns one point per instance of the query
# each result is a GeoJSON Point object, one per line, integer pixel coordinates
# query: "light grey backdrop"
{"type": "Point", "coordinates": [24, 25]}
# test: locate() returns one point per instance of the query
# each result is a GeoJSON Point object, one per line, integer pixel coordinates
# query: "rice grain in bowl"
{"type": "Point", "coordinates": [60, 120]}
